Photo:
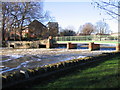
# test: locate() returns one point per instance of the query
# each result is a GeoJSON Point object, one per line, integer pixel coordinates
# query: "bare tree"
{"type": "Point", "coordinates": [102, 28]}
{"type": "Point", "coordinates": [18, 14]}
{"type": "Point", "coordinates": [110, 7]}
{"type": "Point", "coordinates": [86, 29]}
{"type": "Point", "coordinates": [27, 12]}
{"type": "Point", "coordinates": [3, 23]}
{"type": "Point", "coordinates": [67, 32]}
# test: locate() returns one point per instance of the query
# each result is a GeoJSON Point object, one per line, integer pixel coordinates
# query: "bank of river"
{"type": "Point", "coordinates": [14, 59]}
{"type": "Point", "coordinates": [100, 74]}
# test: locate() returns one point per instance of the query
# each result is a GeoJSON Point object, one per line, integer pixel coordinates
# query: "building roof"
{"type": "Point", "coordinates": [36, 22]}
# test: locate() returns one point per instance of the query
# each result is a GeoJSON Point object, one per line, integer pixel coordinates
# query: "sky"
{"type": "Point", "coordinates": [75, 13]}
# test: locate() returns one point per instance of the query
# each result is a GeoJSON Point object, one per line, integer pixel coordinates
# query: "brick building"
{"type": "Point", "coordinates": [53, 28]}
{"type": "Point", "coordinates": [34, 30]}
{"type": "Point", "coordinates": [37, 30]}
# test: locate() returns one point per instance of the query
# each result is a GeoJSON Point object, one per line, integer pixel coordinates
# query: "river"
{"type": "Point", "coordinates": [14, 59]}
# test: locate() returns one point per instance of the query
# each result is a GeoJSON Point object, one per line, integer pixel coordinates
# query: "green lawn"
{"type": "Point", "coordinates": [104, 75]}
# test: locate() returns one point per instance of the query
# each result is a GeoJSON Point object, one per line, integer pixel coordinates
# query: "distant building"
{"type": "Point", "coordinates": [25, 32]}
{"type": "Point", "coordinates": [37, 30]}
{"type": "Point", "coordinates": [53, 28]}
{"type": "Point", "coordinates": [34, 30]}
{"type": "Point", "coordinates": [115, 34]}
{"type": "Point", "coordinates": [15, 33]}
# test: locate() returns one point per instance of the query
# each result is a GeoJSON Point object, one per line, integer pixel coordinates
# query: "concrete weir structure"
{"type": "Point", "coordinates": [93, 46]}
{"type": "Point", "coordinates": [71, 46]}
{"type": "Point", "coordinates": [49, 43]}
{"type": "Point", "coordinates": [118, 47]}
{"type": "Point", "coordinates": [53, 43]}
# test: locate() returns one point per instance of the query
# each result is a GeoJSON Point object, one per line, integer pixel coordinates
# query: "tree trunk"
{"type": "Point", "coordinates": [3, 30]}
{"type": "Point", "coordinates": [21, 29]}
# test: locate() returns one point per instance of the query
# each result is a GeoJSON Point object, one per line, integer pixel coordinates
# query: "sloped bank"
{"type": "Point", "coordinates": [22, 78]}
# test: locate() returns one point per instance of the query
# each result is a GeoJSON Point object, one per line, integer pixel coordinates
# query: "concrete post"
{"type": "Point", "coordinates": [71, 46]}
{"type": "Point", "coordinates": [68, 45]}
{"type": "Point", "coordinates": [93, 46]}
{"type": "Point", "coordinates": [49, 44]}
{"type": "Point", "coordinates": [118, 47]}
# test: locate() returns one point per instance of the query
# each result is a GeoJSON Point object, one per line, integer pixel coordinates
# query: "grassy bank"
{"type": "Point", "coordinates": [104, 75]}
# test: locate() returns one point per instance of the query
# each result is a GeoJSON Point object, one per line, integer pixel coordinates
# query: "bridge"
{"type": "Point", "coordinates": [71, 42]}
{"type": "Point", "coordinates": [93, 41]}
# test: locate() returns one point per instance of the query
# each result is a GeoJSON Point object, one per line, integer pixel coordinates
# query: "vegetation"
{"type": "Point", "coordinates": [67, 32]}
{"type": "Point", "coordinates": [104, 75]}
{"type": "Point", "coordinates": [102, 28]}
{"type": "Point", "coordinates": [16, 15]}
{"type": "Point", "coordinates": [86, 29]}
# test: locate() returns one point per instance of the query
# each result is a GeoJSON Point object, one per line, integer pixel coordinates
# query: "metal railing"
{"type": "Point", "coordinates": [86, 38]}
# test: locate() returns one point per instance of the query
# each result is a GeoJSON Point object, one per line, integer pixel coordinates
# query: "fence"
{"type": "Point", "coordinates": [86, 38]}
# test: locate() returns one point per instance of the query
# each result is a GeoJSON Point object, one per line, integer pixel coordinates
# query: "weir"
{"type": "Point", "coordinates": [71, 46]}
{"type": "Point", "coordinates": [93, 46]}
{"type": "Point", "coordinates": [54, 42]}
{"type": "Point", "coordinates": [118, 47]}
{"type": "Point", "coordinates": [93, 42]}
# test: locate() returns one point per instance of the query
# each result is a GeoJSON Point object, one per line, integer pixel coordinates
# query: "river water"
{"type": "Point", "coordinates": [14, 59]}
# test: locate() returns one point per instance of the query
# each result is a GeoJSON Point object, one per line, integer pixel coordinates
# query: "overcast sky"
{"type": "Point", "coordinates": [76, 12]}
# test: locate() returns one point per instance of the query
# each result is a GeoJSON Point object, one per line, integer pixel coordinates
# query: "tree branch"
{"type": "Point", "coordinates": [101, 7]}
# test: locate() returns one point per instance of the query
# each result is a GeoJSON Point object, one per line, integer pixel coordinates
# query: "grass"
{"type": "Point", "coordinates": [104, 75]}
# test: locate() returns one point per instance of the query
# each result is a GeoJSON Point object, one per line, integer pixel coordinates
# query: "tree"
{"type": "Point", "coordinates": [27, 12]}
{"type": "Point", "coordinates": [110, 7]}
{"type": "Point", "coordinates": [18, 14]}
{"type": "Point", "coordinates": [67, 32]}
{"type": "Point", "coordinates": [5, 14]}
{"type": "Point", "coordinates": [86, 29]}
{"type": "Point", "coordinates": [102, 28]}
